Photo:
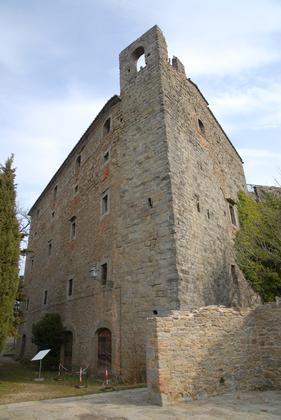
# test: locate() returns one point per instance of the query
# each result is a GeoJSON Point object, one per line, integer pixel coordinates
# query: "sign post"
{"type": "Point", "coordinates": [40, 356]}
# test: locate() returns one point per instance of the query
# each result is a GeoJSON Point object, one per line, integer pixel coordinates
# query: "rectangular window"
{"type": "Point", "coordinates": [77, 165]}
{"type": "Point", "coordinates": [106, 157]}
{"type": "Point", "coordinates": [70, 287]}
{"type": "Point", "coordinates": [27, 304]}
{"type": "Point", "coordinates": [45, 297]}
{"type": "Point", "coordinates": [234, 274]}
{"type": "Point", "coordinates": [105, 203]}
{"type": "Point", "coordinates": [73, 227]}
{"type": "Point", "coordinates": [232, 215]}
{"type": "Point", "coordinates": [31, 264]}
{"type": "Point", "coordinates": [55, 193]}
{"type": "Point", "coordinates": [50, 248]}
{"type": "Point", "coordinates": [104, 273]}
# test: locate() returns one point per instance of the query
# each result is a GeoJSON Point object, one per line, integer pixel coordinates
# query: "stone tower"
{"type": "Point", "coordinates": [139, 219]}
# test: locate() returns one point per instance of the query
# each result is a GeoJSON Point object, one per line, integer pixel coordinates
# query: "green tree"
{"type": "Point", "coordinates": [9, 249]}
{"type": "Point", "coordinates": [47, 333]}
{"type": "Point", "coordinates": [258, 243]}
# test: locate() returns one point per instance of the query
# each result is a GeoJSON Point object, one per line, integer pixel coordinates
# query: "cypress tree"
{"type": "Point", "coordinates": [9, 249]}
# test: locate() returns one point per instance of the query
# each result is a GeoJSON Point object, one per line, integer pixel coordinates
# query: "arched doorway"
{"type": "Point", "coordinates": [22, 347]}
{"type": "Point", "coordinates": [67, 349]}
{"type": "Point", "coordinates": [104, 350]}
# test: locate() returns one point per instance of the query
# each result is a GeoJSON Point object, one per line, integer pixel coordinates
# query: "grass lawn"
{"type": "Point", "coordinates": [17, 384]}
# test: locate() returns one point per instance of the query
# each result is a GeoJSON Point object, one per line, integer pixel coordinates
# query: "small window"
{"type": "Point", "coordinates": [104, 273]}
{"type": "Point", "coordinates": [232, 215]}
{"type": "Point", "coordinates": [53, 214]}
{"type": "Point", "coordinates": [76, 188]}
{"type": "Point", "coordinates": [106, 157]}
{"type": "Point", "coordinates": [55, 192]}
{"type": "Point", "coordinates": [77, 164]}
{"type": "Point", "coordinates": [73, 227]}
{"type": "Point", "coordinates": [50, 245]}
{"type": "Point", "coordinates": [70, 287]}
{"type": "Point", "coordinates": [202, 127]}
{"type": "Point", "coordinates": [27, 304]}
{"type": "Point", "coordinates": [45, 297]}
{"type": "Point", "coordinates": [38, 212]}
{"type": "Point", "coordinates": [31, 264]}
{"type": "Point", "coordinates": [234, 274]}
{"type": "Point", "coordinates": [107, 126]}
{"type": "Point", "coordinates": [105, 203]}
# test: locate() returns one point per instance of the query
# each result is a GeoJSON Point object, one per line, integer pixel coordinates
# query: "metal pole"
{"type": "Point", "coordinates": [40, 367]}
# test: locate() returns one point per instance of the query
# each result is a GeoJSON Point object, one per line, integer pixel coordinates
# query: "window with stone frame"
{"type": "Point", "coordinates": [106, 157]}
{"type": "Point", "coordinates": [76, 189]}
{"type": "Point", "coordinates": [104, 273]}
{"type": "Point", "coordinates": [50, 247]}
{"type": "Point", "coordinates": [73, 227]}
{"type": "Point", "coordinates": [70, 288]}
{"type": "Point", "coordinates": [77, 165]}
{"type": "Point", "coordinates": [105, 202]}
{"type": "Point", "coordinates": [45, 297]}
{"type": "Point", "coordinates": [106, 127]}
{"type": "Point", "coordinates": [232, 214]}
{"type": "Point", "coordinates": [201, 127]}
{"type": "Point", "coordinates": [55, 193]}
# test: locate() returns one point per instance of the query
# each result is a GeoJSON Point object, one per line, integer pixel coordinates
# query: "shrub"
{"type": "Point", "coordinates": [258, 243]}
{"type": "Point", "coordinates": [47, 333]}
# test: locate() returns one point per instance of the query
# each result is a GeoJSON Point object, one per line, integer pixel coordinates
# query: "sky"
{"type": "Point", "coordinates": [59, 65]}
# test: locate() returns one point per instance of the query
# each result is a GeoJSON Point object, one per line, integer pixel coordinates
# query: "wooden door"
{"type": "Point", "coordinates": [104, 350]}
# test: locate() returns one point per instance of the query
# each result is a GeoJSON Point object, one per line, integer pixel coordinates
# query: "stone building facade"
{"type": "Point", "coordinates": [138, 220]}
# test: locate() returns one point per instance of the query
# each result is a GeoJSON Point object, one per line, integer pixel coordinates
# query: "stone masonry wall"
{"type": "Point", "coordinates": [92, 305]}
{"type": "Point", "coordinates": [206, 176]}
{"type": "Point", "coordinates": [213, 350]}
{"type": "Point", "coordinates": [145, 247]}
{"type": "Point", "coordinates": [135, 238]}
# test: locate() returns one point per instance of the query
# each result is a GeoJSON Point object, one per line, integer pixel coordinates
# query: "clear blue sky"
{"type": "Point", "coordinates": [59, 65]}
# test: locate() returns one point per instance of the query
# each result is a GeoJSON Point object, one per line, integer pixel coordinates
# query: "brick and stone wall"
{"type": "Point", "coordinates": [213, 350]}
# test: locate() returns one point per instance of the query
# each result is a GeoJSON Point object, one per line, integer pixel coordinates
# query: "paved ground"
{"type": "Point", "coordinates": [133, 405]}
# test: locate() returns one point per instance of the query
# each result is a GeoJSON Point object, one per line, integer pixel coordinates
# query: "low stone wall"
{"type": "Point", "coordinates": [213, 350]}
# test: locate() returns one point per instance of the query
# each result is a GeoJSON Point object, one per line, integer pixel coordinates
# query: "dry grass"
{"type": "Point", "coordinates": [17, 384]}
